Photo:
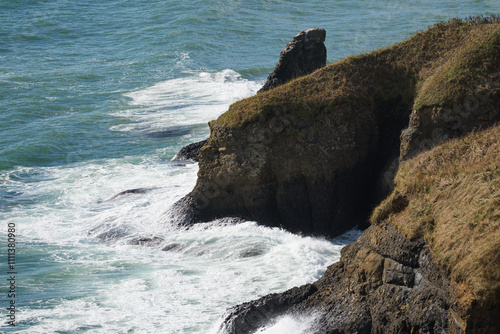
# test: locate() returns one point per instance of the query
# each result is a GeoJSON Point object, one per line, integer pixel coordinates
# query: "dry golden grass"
{"type": "Point", "coordinates": [450, 196]}
{"type": "Point", "coordinates": [434, 67]}
{"type": "Point", "coordinates": [465, 71]}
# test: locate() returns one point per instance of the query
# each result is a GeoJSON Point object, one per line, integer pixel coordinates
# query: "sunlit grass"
{"type": "Point", "coordinates": [450, 197]}
{"type": "Point", "coordinates": [439, 66]}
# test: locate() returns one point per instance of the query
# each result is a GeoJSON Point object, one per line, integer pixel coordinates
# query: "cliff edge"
{"type": "Point", "coordinates": [316, 154]}
{"type": "Point", "coordinates": [414, 123]}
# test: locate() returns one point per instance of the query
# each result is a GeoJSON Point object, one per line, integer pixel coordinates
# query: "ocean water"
{"type": "Point", "coordinates": [96, 98]}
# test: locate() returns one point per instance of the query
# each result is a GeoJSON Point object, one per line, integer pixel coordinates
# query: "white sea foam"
{"type": "Point", "coordinates": [90, 286]}
{"type": "Point", "coordinates": [198, 96]}
{"type": "Point", "coordinates": [77, 197]}
{"type": "Point", "coordinates": [290, 325]}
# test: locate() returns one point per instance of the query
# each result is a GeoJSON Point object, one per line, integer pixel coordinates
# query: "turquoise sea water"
{"type": "Point", "coordinates": [96, 98]}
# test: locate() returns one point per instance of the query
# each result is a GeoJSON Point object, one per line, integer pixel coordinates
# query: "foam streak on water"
{"type": "Point", "coordinates": [199, 96]}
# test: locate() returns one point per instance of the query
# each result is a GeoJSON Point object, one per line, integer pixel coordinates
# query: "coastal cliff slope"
{"type": "Point", "coordinates": [316, 154]}
{"type": "Point", "coordinates": [416, 124]}
{"type": "Point", "coordinates": [430, 262]}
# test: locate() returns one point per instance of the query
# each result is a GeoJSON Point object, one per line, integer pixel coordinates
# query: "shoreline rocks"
{"type": "Point", "coordinates": [383, 283]}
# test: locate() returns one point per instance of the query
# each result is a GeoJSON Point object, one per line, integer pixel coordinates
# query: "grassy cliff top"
{"type": "Point", "coordinates": [450, 196]}
{"type": "Point", "coordinates": [439, 66]}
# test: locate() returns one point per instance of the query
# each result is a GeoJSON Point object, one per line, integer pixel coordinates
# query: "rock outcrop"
{"type": "Point", "coordinates": [316, 154]}
{"type": "Point", "coordinates": [305, 53]}
{"type": "Point", "coordinates": [190, 152]}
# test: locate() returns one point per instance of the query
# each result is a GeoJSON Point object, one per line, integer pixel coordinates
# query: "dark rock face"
{"type": "Point", "coordinates": [303, 55]}
{"type": "Point", "coordinates": [384, 283]}
{"type": "Point", "coordinates": [264, 175]}
{"type": "Point", "coordinates": [248, 317]}
{"type": "Point", "coordinates": [190, 152]}
{"type": "Point", "coordinates": [431, 126]}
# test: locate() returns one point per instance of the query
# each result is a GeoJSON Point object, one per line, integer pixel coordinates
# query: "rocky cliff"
{"type": "Point", "coordinates": [430, 263]}
{"type": "Point", "coordinates": [305, 53]}
{"type": "Point", "coordinates": [316, 154]}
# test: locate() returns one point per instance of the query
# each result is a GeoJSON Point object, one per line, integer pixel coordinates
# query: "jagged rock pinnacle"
{"type": "Point", "coordinates": [305, 53]}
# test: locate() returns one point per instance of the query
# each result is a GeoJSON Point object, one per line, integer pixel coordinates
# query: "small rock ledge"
{"type": "Point", "coordinates": [190, 152]}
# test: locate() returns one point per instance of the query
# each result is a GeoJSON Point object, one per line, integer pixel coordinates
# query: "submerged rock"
{"type": "Point", "coordinates": [132, 191]}
{"type": "Point", "coordinates": [111, 235]}
{"type": "Point", "coordinates": [305, 53]}
{"type": "Point", "coordinates": [146, 241]}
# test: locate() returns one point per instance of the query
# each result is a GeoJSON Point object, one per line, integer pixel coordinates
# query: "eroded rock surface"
{"type": "Point", "coordinates": [383, 283]}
